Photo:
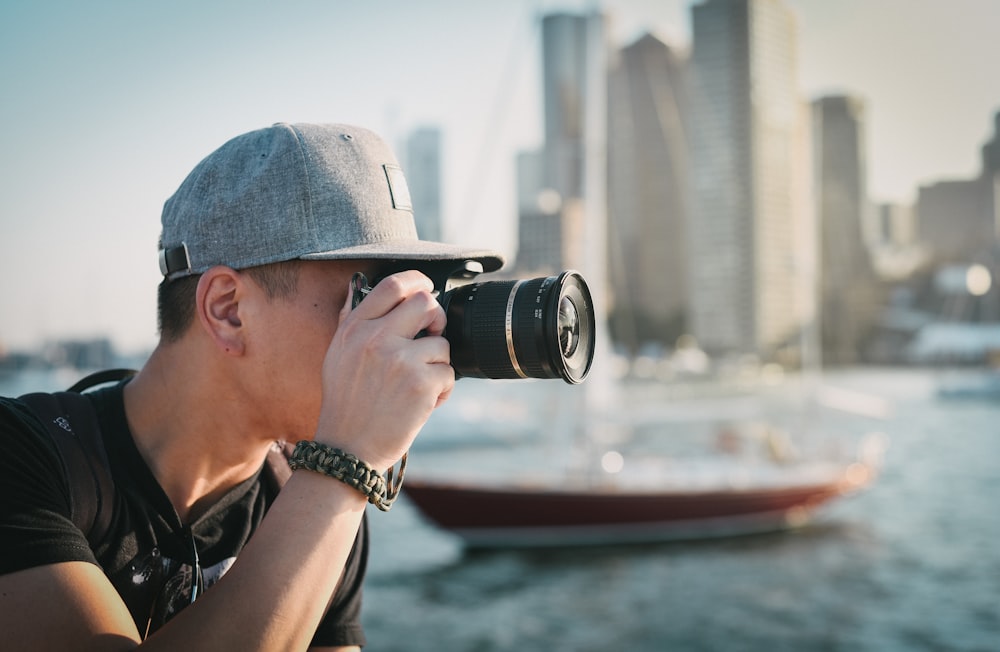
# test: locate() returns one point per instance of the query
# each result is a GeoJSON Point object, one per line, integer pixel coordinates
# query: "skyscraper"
{"type": "Point", "coordinates": [564, 79]}
{"type": "Point", "coordinates": [847, 279]}
{"type": "Point", "coordinates": [423, 174]}
{"type": "Point", "coordinates": [746, 229]}
{"type": "Point", "coordinates": [648, 194]}
{"type": "Point", "coordinates": [569, 66]}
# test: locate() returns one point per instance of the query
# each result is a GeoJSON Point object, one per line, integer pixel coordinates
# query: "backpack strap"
{"type": "Point", "coordinates": [101, 378]}
{"type": "Point", "coordinates": [71, 420]}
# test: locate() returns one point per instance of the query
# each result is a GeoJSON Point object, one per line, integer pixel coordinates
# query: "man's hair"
{"type": "Point", "coordinates": [176, 299]}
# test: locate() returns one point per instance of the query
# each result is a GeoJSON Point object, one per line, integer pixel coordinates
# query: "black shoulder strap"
{"type": "Point", "coordinates": [71, 420]}
{"type": "Point", "coordinates": [101, 378]}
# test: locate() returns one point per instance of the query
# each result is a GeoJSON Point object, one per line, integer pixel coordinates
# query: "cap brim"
{"type": "Point", "coordinates": [415, 250]}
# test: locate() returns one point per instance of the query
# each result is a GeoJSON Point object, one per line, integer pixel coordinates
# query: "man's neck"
{"type": "Point", "coordinates": [193, 428]}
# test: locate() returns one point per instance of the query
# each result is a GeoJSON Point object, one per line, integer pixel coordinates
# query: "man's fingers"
{"type": "Point", "coordinates": [391, 291]}
{"type": "Point", "coordinates": [407, 304]}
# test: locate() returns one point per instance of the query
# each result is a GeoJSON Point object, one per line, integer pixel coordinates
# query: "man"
{"type": "Point", "coordinates": [258, 344]}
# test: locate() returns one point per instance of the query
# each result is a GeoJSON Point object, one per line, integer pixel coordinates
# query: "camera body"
{"type": "Point", "coordinates": [529, 328]}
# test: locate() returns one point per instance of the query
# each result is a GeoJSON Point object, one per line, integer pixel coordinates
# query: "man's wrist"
{"type": "Point", "coordinates": [322, 458]}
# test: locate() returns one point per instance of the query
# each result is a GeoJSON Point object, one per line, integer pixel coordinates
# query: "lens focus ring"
{"type": "Point", "coordinates": [538, 328]}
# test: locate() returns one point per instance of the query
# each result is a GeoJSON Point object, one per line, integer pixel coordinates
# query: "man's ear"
{"type": "Point", "coordinates": [218, 308]}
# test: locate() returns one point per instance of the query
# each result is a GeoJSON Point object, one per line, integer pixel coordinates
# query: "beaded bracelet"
{"type": "Point", "coordinates": [380, 490]}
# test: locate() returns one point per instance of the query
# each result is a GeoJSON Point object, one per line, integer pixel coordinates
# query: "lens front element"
{"type": "Point", "coordinates": [569, 326]}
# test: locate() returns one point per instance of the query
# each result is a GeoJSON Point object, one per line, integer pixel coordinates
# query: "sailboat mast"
{"type": "Point", "coordinates": [595, 221]}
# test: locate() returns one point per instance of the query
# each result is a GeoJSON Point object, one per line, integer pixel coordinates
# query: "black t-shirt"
{"type": "Point", "coordinates": [153, 560]}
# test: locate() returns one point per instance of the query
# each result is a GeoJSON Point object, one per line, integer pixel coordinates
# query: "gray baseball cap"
{"type": "Point", "coordinates": [298, 191]}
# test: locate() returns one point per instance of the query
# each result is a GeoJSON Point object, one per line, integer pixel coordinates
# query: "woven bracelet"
{"type": "Point", "coordinates": [380, 490]}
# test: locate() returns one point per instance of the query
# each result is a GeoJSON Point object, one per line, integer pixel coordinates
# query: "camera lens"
{"type": "Point", "coordinates": [537, 328]}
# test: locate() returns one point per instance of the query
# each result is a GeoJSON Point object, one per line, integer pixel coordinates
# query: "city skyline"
{"type": "Point", "coordinates": [106, 115]}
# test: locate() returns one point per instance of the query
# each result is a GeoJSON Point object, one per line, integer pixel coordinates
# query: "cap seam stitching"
{"type": "Point", "coordinates": [300, 145]}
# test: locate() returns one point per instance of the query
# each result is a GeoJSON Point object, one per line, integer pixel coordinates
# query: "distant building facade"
{"type": "Point", "coordinates": [423, 177]}
{"type": "Point", "coordinates": [648, 193]}
{"type": "Point", "coordinates": [550, 234]}
{"type": "Point", "coordinates": [564, 79]}
{"type": "Point", "coordinates": [895, 224]}
{"type": "Point", "coordinates": [955, 218]}
{"type": "Point", "coordinates": [540, 219]}
{"type": "Point", "coordinates": [848, 287]}
{"type": "Point", "coordinates": [745, 235]}
{"type": "Point", "coordinates": [958, 220]}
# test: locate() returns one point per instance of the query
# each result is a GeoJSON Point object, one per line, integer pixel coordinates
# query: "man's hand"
{"type": "Point", "coordinates": [380, 384]}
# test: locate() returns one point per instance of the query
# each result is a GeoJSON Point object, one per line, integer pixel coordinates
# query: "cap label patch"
{"type": "Point", "coordinates": [398, 190]}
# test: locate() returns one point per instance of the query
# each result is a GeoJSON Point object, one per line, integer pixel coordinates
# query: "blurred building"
{"type": "Point", "coordinates": [958, 220]}
{"type": "Point", "coordinates": [564, 79]}
{"type": "Point", "coordinates": [423, 176]}
{"type": "Point", "coordinates": [648, 195]}
{"type": "Point", "coordinates": [539, 209]}
{"type": "Point", "coordinates": [96, 353]}
{"type": "Point", "coordinates": [748, 221]}
{"type": "Point", "coordinates": [955, 218]}
{"type": "Point", "coordinates": [895, 224]}
{"type": "Point", "coordinates": [896, 252]}
{"type": "Point", "coordinates": [848, 286]}
{"type": "Point", "coordinates": [551, 224]}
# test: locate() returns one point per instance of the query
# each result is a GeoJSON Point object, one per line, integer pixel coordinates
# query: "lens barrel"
{"type": "Point", "coordinates": [536, 328]}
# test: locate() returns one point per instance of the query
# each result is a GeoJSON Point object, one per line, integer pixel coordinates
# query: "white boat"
{"type": "Point", "coordinates": [625, 497]}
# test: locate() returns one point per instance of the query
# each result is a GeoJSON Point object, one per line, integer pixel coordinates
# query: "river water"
{"type": "Point", "coordinates": [913, 563]}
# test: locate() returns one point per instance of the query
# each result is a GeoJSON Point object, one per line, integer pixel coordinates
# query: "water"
{"type": "Point", "coordinates": [911, 564]}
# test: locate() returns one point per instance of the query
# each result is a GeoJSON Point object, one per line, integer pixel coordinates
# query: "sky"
{"type": "Point", "coordinates": [108, 104]}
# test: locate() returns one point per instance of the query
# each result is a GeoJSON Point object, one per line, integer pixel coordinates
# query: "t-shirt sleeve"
{"type": "Point", "coordinates": [36, 527]}
{"type": "Point", "coordinates": [342, 623]}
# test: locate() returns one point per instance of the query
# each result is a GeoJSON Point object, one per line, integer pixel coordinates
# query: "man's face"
{"type": "Point", "coordinates": [290, 338]}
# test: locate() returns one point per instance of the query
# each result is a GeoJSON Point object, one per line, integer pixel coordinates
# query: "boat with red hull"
{"type": "Point", "coordinates": [533, 514]}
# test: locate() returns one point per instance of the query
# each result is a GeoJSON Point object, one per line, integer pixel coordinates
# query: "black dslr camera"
{"type": "Point", "coordinates": [535, 328]}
